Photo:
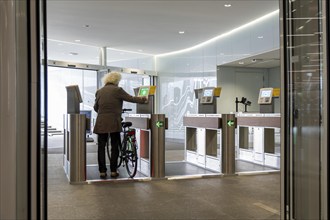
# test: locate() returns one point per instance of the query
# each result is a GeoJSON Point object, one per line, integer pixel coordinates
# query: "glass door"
{"type": "Point", "coordinates": [304, 123]}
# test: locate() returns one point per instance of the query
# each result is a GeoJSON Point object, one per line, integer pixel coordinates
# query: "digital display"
{"type": "Point", "coordinates": [208, 92]}
{"type": "Point", "coordinates": [143, 91]}
{"type": "Point", "coordinates": [266, 93]}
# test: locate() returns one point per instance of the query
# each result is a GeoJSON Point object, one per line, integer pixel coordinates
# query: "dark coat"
{"type": "Point", "coordinates": [108, 104]}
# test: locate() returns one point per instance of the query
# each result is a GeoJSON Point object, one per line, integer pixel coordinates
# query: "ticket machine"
{"type": "Point", "coordinates": [207, 99]}
{"type": "Point", "coordinates": [265, 100]}
{"type": "Point", "coordinates": [150, 134]}
{"type": "Point", "coordinates": [149, 92]}
{"type": "Point", "coordinates": [74, 155]}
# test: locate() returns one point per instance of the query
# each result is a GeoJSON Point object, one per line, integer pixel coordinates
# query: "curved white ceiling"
{"type": "Point", "coordinates": [149, 26]}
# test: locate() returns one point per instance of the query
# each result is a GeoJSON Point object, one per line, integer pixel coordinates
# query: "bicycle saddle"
{"type": "Point", "coordinates": [126, 124]}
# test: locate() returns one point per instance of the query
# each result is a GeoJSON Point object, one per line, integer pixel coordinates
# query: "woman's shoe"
{"type": "Point", "coordinates": [114, 174]}
{"type": "Point", "coordinates": [103, 175]}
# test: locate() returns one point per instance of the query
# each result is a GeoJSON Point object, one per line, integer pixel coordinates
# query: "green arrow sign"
{"type": "Point", "coordinates": [230, 123]}
{"type": "Point", "coordinates": [159, 124]}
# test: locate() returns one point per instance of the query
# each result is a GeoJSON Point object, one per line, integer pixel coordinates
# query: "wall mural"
{"type": "Point", "coordinates": [177, 98]}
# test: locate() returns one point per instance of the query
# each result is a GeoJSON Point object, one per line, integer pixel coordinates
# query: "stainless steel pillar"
{"type": "Point", "coordinates": [228, 144]}
{"type": "Point", "coordinates": [22, 140]}
{"type": "Point", "coordinates": [77, 148]}
{"type": "Point", "coordinates": [157, 145]}
{"type": "Point", "coordinates": [8, 112]}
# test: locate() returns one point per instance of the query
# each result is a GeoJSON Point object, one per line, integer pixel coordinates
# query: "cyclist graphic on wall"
{"type": "Point", "coordinates": [108, 105]}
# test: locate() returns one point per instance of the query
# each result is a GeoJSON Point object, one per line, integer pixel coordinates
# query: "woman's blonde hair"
{"type": "Point", "coordinates": [112, 77]}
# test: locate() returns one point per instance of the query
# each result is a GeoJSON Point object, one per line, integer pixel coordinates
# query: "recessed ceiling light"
{"type": "Point", "coordinates": [260, 37]}
{"type": "Point", "coordinates": [181, 32]}
{"type": "Point", "coordinates": [77, 40]}
{"type": "Point", "coordinates": [227, 5]}
{"type": "Point", "coordinates": [73, 53]}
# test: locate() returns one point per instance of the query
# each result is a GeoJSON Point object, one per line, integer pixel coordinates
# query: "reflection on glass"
{"type": "Point", "coordinates": [304, 77]}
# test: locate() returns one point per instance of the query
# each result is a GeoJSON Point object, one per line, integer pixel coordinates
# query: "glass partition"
{"type": "Point", "coordinates": [58, 79]}
{"type": "Point", "coordinates": [303, 76]}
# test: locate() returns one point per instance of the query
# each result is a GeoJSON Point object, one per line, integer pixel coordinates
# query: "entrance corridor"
{"type": "Point", "coordinates": [232, 197]}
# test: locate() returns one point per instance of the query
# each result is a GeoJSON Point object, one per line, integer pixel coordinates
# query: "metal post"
{"type": "Point", "coordinates": [103, 56]}
{"type": "Point", "coordinates": [157, 145]}
{"type": "Point", "coordinates": [228, 144]}
{"type": "Point", "coordinates": [77, 148]}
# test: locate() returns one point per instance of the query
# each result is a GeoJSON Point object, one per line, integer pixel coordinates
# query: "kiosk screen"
{"type": "Point", "coordinates": [207, 97]}
{"type": "Point", "coordinates": [265, 96]}
{"type": "Point", "coordinates": [143, 91]}
{"type": "Point", "coordinates": [266, 93]}
{"type": "Point", "coordinates": [208, 92]}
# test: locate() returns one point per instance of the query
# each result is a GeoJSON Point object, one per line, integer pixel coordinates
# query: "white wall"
{"type": "Point", "coordinates": [240, 82]}
{"type": "Point", "coordinates": [245, 82]}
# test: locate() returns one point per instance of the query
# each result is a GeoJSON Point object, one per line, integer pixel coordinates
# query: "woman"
{"type": "Point", "coordinates": [108, 104]}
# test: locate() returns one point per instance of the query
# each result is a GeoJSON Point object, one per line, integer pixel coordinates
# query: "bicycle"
{"type": "Point", "coordinates": [127, 148]}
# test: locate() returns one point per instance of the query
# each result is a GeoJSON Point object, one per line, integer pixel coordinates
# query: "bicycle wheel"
{"type": "Point", "coordinates": [131, 158]}
{"type": "Point", "coordinates": [120, 154]}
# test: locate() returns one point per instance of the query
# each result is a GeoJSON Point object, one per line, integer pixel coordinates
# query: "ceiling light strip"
{"type": "Point", "coordinates": [222, 35]}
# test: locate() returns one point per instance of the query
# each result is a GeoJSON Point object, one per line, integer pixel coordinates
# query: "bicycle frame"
{"type": "Point", "coordinates": [127, 149]}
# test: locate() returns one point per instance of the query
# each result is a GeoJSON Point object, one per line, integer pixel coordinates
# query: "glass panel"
{"type": "Point", "coordinates": [88, 92]}
{"type": "Point", "coordinates": [58, 79]}
{"type": "Point", "coordinates": [304, 78]}
{"type": "Point", "coordinates": [42, 213]}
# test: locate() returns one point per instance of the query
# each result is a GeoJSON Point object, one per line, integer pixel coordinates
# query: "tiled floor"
{"type": "Point", "coordinates": [217, 197]}
{"type": "Point", "coordinates": [232, 197]}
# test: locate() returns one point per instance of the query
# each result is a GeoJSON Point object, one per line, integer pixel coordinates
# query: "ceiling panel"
{"type": "Point", "coordinates": [149, 26]}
